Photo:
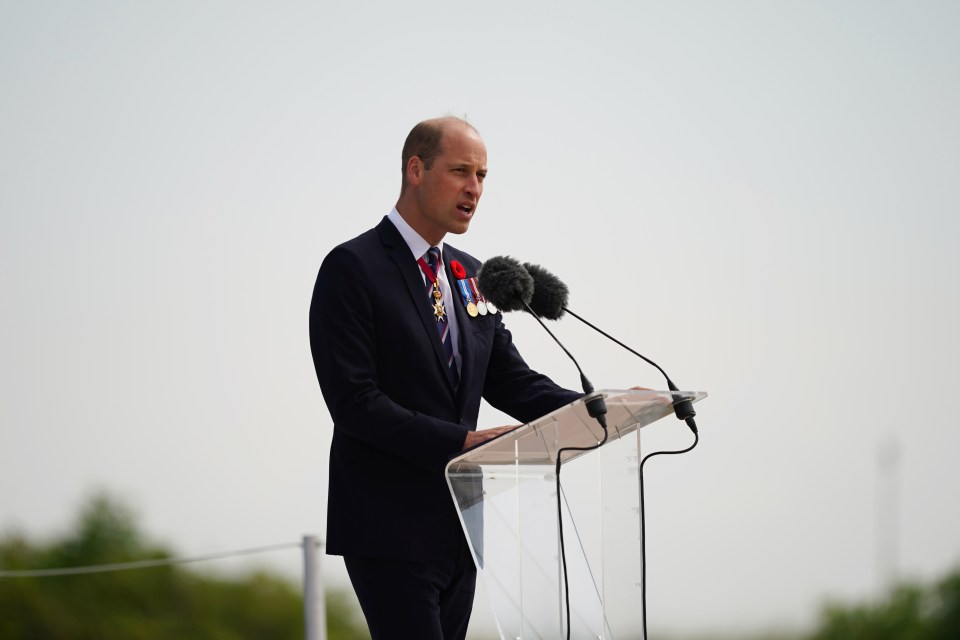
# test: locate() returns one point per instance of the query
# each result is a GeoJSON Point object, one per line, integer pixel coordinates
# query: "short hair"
{"type": "Point", "coordinates": [425, 141]}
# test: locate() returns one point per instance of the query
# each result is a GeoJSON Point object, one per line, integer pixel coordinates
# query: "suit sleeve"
{"type": "Point", "coordinates": [514, 388]}
{"type": "Point", "coordinates": [344, 346]}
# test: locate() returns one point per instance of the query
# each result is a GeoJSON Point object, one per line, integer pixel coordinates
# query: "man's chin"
{"type": "Point", "coordinates": [459, 229]}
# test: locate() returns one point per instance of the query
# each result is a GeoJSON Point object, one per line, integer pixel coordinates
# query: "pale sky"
{"type": "Point", "coordinates": [761, 196]}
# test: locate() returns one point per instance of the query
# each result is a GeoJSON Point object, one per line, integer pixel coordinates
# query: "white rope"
{"type": "Point", "coordinates": [141, 564]}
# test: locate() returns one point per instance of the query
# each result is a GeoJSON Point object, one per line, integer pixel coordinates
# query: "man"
{"type": "Point", "coordinates": [402, 366]}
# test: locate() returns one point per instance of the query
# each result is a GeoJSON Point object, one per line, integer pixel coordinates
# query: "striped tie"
{"type": "Point", "coordinates": [443, 327]}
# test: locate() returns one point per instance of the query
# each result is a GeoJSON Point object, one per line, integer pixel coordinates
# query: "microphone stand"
{"type": "Point", "coordinates": [596, 409]}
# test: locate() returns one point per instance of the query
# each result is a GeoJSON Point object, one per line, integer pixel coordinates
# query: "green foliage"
{"type": "Point", "coordinates": [162, 603]}
{"type": "Point", "coordinates": [909, 612]}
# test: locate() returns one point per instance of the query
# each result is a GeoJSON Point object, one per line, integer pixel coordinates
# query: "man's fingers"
{"type": "Point", "coordinates": [476, 437]}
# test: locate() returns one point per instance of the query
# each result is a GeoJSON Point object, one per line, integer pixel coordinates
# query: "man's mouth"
{"type": "Point", "coordinates": [466, 208]}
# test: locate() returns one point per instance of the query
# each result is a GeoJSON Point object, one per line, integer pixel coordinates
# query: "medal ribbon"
{"type": "Point", "coordinates": [476, 291]}
{"type": "Point", "coordinates": [427, 271]}
{"type": "Point", "coordinates": [465, 291]}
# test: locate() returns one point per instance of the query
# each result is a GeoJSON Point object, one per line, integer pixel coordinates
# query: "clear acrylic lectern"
{"type": "Point", "coordinates": [506, 494]}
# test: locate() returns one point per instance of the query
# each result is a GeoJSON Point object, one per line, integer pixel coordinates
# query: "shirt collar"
{"type": "Point", "coordinates": [417, 245]}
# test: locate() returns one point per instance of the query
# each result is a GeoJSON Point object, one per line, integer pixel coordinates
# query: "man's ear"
{"type": "Point", "coordinates": [415, 170]}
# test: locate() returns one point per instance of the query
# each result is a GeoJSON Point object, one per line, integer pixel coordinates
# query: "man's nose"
{"type": "Point", "coordinates": [474, 187]}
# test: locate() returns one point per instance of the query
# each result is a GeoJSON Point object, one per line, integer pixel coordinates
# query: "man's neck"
{"type": "Point", "coordinates": [415, 223]}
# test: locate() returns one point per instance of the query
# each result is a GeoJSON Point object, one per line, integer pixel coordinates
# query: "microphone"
{"type": "Point", "coordinates": [504, 282]}
{"type": "Point", "coordinates": [549, 300]}
{"type": "Point", "coordinates": [550, 295]}
{"type": "Point", "coordinates": [510, 286]}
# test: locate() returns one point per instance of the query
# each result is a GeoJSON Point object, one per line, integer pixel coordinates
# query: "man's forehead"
{"type": "Point", "coordinates": [465, 144]}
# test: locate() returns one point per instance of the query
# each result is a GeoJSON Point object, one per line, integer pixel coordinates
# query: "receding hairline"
{"type": "Point", "coordinates": [443, 123]}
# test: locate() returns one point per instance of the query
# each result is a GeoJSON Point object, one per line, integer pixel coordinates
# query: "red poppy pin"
{"type": "Point", "coordinates": [458, 269]}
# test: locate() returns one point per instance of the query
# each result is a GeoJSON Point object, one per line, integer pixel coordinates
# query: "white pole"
{"type": "Point", "coordinates": [888, 512]}
{"type": "Point", "coordinates": [314, 603]}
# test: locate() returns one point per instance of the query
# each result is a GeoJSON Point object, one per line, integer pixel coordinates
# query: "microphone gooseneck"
{"type": "Point", "coordinates": [596, 405]}
{"type": "Point", "coordinates": [511, 287]}
{"type": "Point", "coordinates": [549, 300]}
{"type": "Point", "coordinates": [682, 405]}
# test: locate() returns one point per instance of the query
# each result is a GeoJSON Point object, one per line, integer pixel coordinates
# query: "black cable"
{"type": "Point", "coordinates": [643, 533]}
{"type": "Point", "coordinates": [563, 552]}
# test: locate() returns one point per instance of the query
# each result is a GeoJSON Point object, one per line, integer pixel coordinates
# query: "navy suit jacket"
{"type": "Point", "coordinates": [396, 414]}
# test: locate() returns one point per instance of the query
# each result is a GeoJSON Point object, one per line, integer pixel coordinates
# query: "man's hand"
{"type": "Point", "coordinates": [476, 437]}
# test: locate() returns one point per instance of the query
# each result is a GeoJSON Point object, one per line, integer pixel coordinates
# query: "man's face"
{"type": "Point", "coordinates": [448, 193]}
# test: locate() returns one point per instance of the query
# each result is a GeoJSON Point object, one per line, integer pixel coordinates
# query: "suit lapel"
{"type": "Point", "coordinates": [465, 330]}
{"type": "Point", "coordinates": [399, 253]}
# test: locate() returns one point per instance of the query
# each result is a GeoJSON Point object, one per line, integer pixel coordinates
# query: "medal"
{"type": "Point", "coordinates": [438, 310]}
{"type": "Point", "coordinates": [464, 287]}
{"type": "Point", "coordinates": [482, 305]}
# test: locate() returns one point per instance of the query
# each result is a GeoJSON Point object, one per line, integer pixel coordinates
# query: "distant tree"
{"type": "Point", "coordinates": [162, 603]}
{"type": "Point", "coordinates": [909, 612]}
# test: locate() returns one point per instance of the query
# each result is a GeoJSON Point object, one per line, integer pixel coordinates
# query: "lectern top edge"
{"type": "Point", "coordinates": [537, 442]}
